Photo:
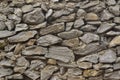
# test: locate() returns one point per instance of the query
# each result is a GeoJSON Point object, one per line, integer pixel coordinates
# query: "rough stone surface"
{"type": "Point", "coordinates": [115, 41]}
{"type": "Point", "coordinates": [6, 33]}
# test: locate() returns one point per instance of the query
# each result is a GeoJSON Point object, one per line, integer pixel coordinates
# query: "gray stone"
{"type": "Point", "coordinates": [5, 71]}
{"type": "Point", "coordinates": [15, 76]}
{"type": "Point", "coordinates": [18, 12]}
{"type": "Point", "coordinates": [6, 33]}
{"type": "Point", "coordinates": [10, 25]}
{"type": "Point", "coordinates": [117, 27]}
{"type": "Point", "coordinates": [89, 37]}
{"type": "Point", "coordinates": [94, 22]}
{"type": "Point", "coordinates": [27, 8]}
{"type": "Point", "coordinates": [49, 13]}
{"type": "Point", "coordinates": [2, 25]}
{"type": "Point", "coordinates": [70, 34]}
{"type": "Point", "coordinates": [55, 28]}
{"type": "Point", "coordinates": [21, 27]}
{"type": "Point", "coordinates": [78, 23]}
{"type": "Point", "coordinates": [34, 17]}
{"type": "Point", "coordinates": [104, 27]}
{"type": "Point", "coordinates": [48, 40]}
{"type": "Point", "coordinates": [34, 50]}
{"type": "Point", "coordinates": [15, 18]}
{"type": "Point", "coordinates": [18, 3]}
{"type": "Point", "coordinates": [84, 65]}
{"type": "Point", "coordinates": [88, 28]}
{"type": "Point", "coordinates": [81, 13]}
{"type": "Point", "coordinates": [47, 72]}
{"type": "Point", "coordinates": [22, 62]}
{"type": "Point", "coordinates": [116, 66]}
{"type": "Point", "coordinates": [7, 63]}
{"type": "Point", "coordinates": [115, 41]}
{"type": "Point", "coordinates": [63, 54]}
{"type": "Point", "coordinates": [113, 33]}
{"type": "Point", "coordinates": [96, 78]}
{"type": "Point", "coordinates": [69, 26]}
{"type": "Point", "coordinates": [111, 2]}
{"type": "Point", "coordinates": [118, 50]}
{"type": "Point", "coordinates": [3, 17]}
{"type": "Point", "coordinates": [106, 15]}
{"type": "Point", "coordinates": [115, 10]}
{"type": "Point", "coordinates": [74, 71]}
{"type": "Point", "coordinates": [22, 36]}
{"type": "Point", "coordinates": [91, 17]}
{"type": "Point", "coordinates": [117, 20]}
{"type": "Point", "coordinates": [107, 56]}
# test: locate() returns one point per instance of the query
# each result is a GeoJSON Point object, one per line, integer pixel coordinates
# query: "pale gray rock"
{"type": "Point", "coordinates": [78, 23]}
{"type": "Point", "coordinates": [7, 63]}
{"type": "Point", "coordinates": [115, 10]}
{"type": "Point", "coordinates": [81, 13]}
{"type": "Point", "coordinates": [10, 25]}
{"type": "Point", "coordinates": [34, 17]}
{"type": "Point", "coordinates": [2, 25]}
{"type": "Point", "coordinates": [22, 62]}
{"type": "Point", "coordinates": [49, 13]}
{"type": "Point", "coordinates": [118, 50]}
{"type": "Point", "coordinates": [111, 2]}
{"type": "Point", "coordinates": [88, 28]}
{"type": "Point", "coordinates": [3, 17]}
{"type": "Point", "coordinates": [115, 41]}
{"type": "Point", "coordinates": [6, 33]}
{"type": "Point", "coordinates": [84, 65]}
{"type": "Point", "coordinates": [48, 40]}
{"type": "Point", "coordinates": [22, 36]}
{"type": "Point", "coordinates": [5, 71]}
{"type": "Point", "coordinates": [63, 54]}
{"type": "Point", "coordinates": [18, 3]}
{"type": "Point", "coordinates": [15, 18]}
{"type": "Point", "coordinates": [69, 26]}
{"type": "Point", "coordinates": [107, 56]}
{"type": "Point", "coordinates": [117, 27]}
{"type": "Point", "coordinates": [89, 37]}
{"type": "Point", "coordinates": [21, 27]}
{"type": "Point", "coordinates": [70, 34]}
{"type": "Point", "coordinates": [117, 20]}
{"type": "Point", "coordinates": [18, 12]}
{"type": "Point", "coordinates": [27, 8]}
{"type": "Point", "coordinates": [74, 71]}
{"type": "Point", "coordinates": [52, 29]}
{"type": "Point", "coordinates": [116, 66]}
{"type": "Point", "coordinates": [34, 50]}
{"type": "Point", "coordinates": [15, 76]}
{"type": "Point", "coordinates": [113, 33]}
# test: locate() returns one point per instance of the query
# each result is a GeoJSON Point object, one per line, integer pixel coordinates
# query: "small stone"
{"type": "Point", "coordinates": [76, 78]}
{"type": "Point", "coordinates": [49, 13]}
{"type": "Point", "coordinates": [78, 23]}
{"type": "Point", "coordinates": [21, 27]}
{"type": "Point", "coordinates": [115, 41]}
{"type": "Point", "coordinates": [116, 66]}
{"type": "Point", "coordinates": [15, 76]}
{"type": "Point", "coordinates": [29, 1]}
{"type": "Point", "coordinates": [48, 40]}
{"type": "Point", "coordinates": [89, 28]}
{"type": "Point", "coordinates": [70, 34]}
{"type": "Point", "coordinates": [3, 43]}
{"type": "Point", "coordinates": [106, 15]}
{"type": "Point", "coordinates": [18, 3]}
{"type": "Point", "coordinates": [18, 69]}
{"type": "Point", "coordinates": [115, 10]}
{"type": "Point", "coordinates": [111, 2]}
{"type": "Point", "coordinates": [34, 50]}
{"type": "Point", "coordinates": [55, 28]}
{"type": "Point", "coordinates": [94, 22]}
{"type": "Point", "coordinates": [22, 62]}
{"type": "Point", "coordinates": [91, 17]}
{"type": "Point", "coordinates": [18, 12]}
{"type": "Point", "coordinates": [74, 71]}
{"type": "Point", "coordinates": [34, 17]}
{"type": "Point", "coordinates": [55, 0]}
{"type": "Point", "coordinates": [117, 27]}
{"type": "Point", "coordinates": [5, 71]}
{"type": "Point", "coordinates": [10, 25]}
{"type": "Point", "coordinates": [96, 78]}
{"type": "Point", "coordinates": [6, 33]}
{"type": "Point", "coordinates": [51, 61]}
{"type": "Point", "coordinates": [117, 20]}
{"type": "Point", "coordinates": [69, 26]}
{"type": "Point", "coordinates": [19, 48]}
{"type": "Point", "coordinates": [113, 33]}
{"type": "Point", "coordinates": [15, 18]}
{"type": "Point", "coordinates": [47, 72]}
{"type": "Point", "coordinates": [22, 36]}
{"type": "Point", "coordinates": [107, 56]}
{"type": "Point", "coordinates": [91, 73]}
{"type": "Point", "coordinates": [27, 8]}
{"type": "Point", "coordinates": [81, 13]}
{"type": "Point", "coordinates": [118, 50]}
{"type": "Point", "coordinates": [2, 25]}
{"type": "Point", "coordinates": [104, 27]}
{"type": "Point", "coordinates": [84, 65]}
{"type": "Point", "coordinates": [89, 37]}
{"type": "Point", "coordinates": [63, 54]}
{"type": "Point", "coordinates": [31, 42]}
{"type": "Point", "coordinates": [3, 17]}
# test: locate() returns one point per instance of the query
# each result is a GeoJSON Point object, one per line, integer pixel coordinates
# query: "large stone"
{"type": "Point", "coordinates": [107, 56]}
{"type": "Point", "coordinates": [115, 41]}
{"type": "Point", "coordinates": [5, 71]}
{"type": "Point", "coordinates": [89, 37]}
{"type": "Point", "coordinates": [48, 40]}
{"type": "Point", "coordinates": [34, 50]}
{"type": "Point", "coordinates": [6, 33]}
{"type": "Point", "coordinates": [63, 54]}
{"type": "Point", "coordinates": [55, 28]}
{"type": "Point", "coordinates": [22, 36]}
{"type": "Point", "coordinates": [70, 34]}
{"type": "Point", "coordinates": [34, 17]}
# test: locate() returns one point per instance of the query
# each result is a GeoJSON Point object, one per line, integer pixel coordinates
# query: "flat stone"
{"type": "Point", "coordinates": [115, 41]}
{"type": "Point", "coordinates": [48, 40]}
{"type": "Point", "coordinates": [6, 33]}
{"type": "Point", "coordinates": [113, 33]}
{"type": "Point", "coordinates": [107, 56]}
{"type": "Point", "coordinates": [18, 12]}
{"type": "Point", "coordinates": [76, 78]}
{"type": "Point", "coordinates": [27, 8]}
{"type": "Point", "coordinates": [3, 17]}
{"type": "Point", "coordinates": [5, 71]}
{"type": "Point", "coordinates": [74, 71]}
{"type": "Point", "coordinates": [15, 18]}
{"type": "Point", "coordinates": [52, 61]}
{"type": "Point", "coordinates": [9, 24]}
{"type": "Point", "coordinates": [47, 72]}
{"type": "Point", "coordinates": [118, 50]}
{"type": "Point", "coordinates": [104, 27]}
{"type": "Point", "coordinates": [88, 28]}
{"type": "Point", "coordinates": [69, 26]}
{"type": "Point", "coordinates": [49, 13]}
{"type": "Point", "coordinates": [55, 28]}
{"type": "Point", "coordinates": [111, 2]}
{"type": "Point", "coordinates": [115, 10]}
{"type": "Point", "coordinates": [22, 36]}
{"type": "Point", "coordinates": [34, 50]}
{"type": "Point", "coordinates": [117, 27]}
{"type": "Point", "coordinates": [18, 3]}
{"type": "Point", "coordinates": [96, 78]}
{"type": "Point", "coordinates": [78, 23]}
{"type": "Point", "coordinates": [84, 65]}
{"type": "Point", "coordinates": [70, 34]}
{"type": "Point", "coordinates": [116, 66]}
{"type": "Point", "coordinates": [29, 1]}
{"type": "Point", "coordinates": [63, 54]}
{"type": "Point", "coordinates": [21, 27]}
{"type": "Point", "coordinates": [91, 17]}
{"type": "Point", "coordinates": [34, 17]}
{"type": "Point", "coordinates": [89, 37]}
{"type": "Point", "coordinates": [15, 76]}
{"type": "Point", "coordinates": [2, 25]}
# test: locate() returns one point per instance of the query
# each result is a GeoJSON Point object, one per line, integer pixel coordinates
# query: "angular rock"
{"type": "Point", "coordinates": [34, 50]}
{"type": "Point", "coordinates": [69, 26]}
{"type": "Point", "coordinates": [27, 8]}
{"type": "Point", "coordinates": [89, 37]}
{"type": "Point", "coordinates": [52, 61]}
{"type": "Point", "coordinates": [81, 13]}
{"type": "Point", "coordinates": [118, 50]}
{"type": "Point", "coordinates": [117, 27]}
{"type": "Point", "coordinates": [70, 34]}
{"type": "Point", "coordinates": [49, 13]}
{"type": "Point", "coordinates": [76, 78]}
{"type": "Point", "coordinates": [22, 36]}
{"type": "Point", "coordinates": [18, 12]}
{"type": "Point", "coordinates": [96, 78]}
{"type": "Point", "coordinates": [107, 56]}
{"type": "Point", "coordinates": [15, 18]}
{"type": "Point", "coordinates": [88, 28]}
{"type": "Point", "coordinates": [91, 17]}
{"type": "Point", "coordinates": [15, 76]}
{"type": "Point", "coordinates": [116, 66]}
{"type": "Point", "coordinates": [3, 43]}
{"type": "Point", "coordinates": [6, 33]}
{"type": "Point", "coordinates": [34, 17]}
{"type": "Point", "coordinates": [117, 20]}
{"type": "Point", "coordinates": [78, 23]}
{"type": "Point", "coordinates": [21, 27]}
{"type": "Point", "coordinates": [111, 2]}
{"type": "Point", "coordinates": [2, 25]}
{"type": "Point", "coordinates": [84, 65]}
{"type": "Point", "coordinates": [113, 33]}
{"type": "Point", "coordinates": [115, 10]}
{"type": "Point", "coordinates": [74, 71]}
{"type": "Point", "coordinates": [55, 28]}
{"type": "Point", "coordinates": [63, 54]}
{"type": "Point", "coordinates": [115, 41]}
{"type": "Point", "coordinates": [18, 3]}
{"type": "Point", "coordinates": [5, 71]}
{"type": "Point", "coordinates": [22, 62]}
{"type": "Point", "coordinates": [48, 40]}
{"type": "Point", "coordinates": [10, 25]}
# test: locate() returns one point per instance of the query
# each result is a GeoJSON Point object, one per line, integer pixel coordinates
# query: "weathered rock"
{"type": "Point", "coordinates": [115, 41]}
{"type": "Point", "coordinates": [47, 72]}
{"type": "Point", "coordinates": [5, 71]}
{"type": "Point", "coordinates": [115, 10]}
{"type": "Point", "coordinates": [22, 36]}
{"type": "Point", "coordinates": [3, 17]}
{"type": "Point", "coordinates": [118, 50]}
{"type": "Point", "coordinates": [18, 12]}
{"type": "Point", "coordinates": [55, 28]}
{"type": "Point", "coordinates": [15, 76]}
{"type": "Point", "coordinates": [84, 65]}
{"type": "Point", "coordinates": [91, 17]}
{"type": "Point", "coordinates": [15, 18]}
{"type": "Point", "coordinates": [113, 33]}
{"type": "Point", "coordinates": [2, 25]}
{"type": "Point", "coordinates": [116, 66]}
{"type": "Point", "coordinates": [69, 26]}
{"type": "Point", "coordinates": [7, 63]}
{"type": "Point", "coordinates": [10, 25]}
{"type": "Point", "coordinates": [60, 53]}
{"type": "Point", "coordinates": [117, 20]}
{"type": "Point", "coordinates": [29, 1]}
{"type": "Point", "coordinates": [52, 61]}
{"type": "Point", "coordinates": [18, 3]}
{"type": "Point", "coordinates": [88, 28]}
{"type": "Point", "coordinates": [81, 13]}
{"type": "Point", "coordinates": [3, 43]}
{"type": "Point", "coordinates": [107, 56]}
{"type": "Point", "coordinates": [117, 27]}
{"type": "Point", "coordinates": [21, 27]}
{"type": "Point", "coordinates": [34, 50]}
{"type": "Point", "coordinates": [70, 34]}
{"type": "Point", "coordinates": [49, 13]}
{"type": "Point", "coordinates": [78, 23]}
{"type": "Point", "coordinates": [27, 8]}
{"type": "Point", "coordinates": [76, 78]}
{"type": "Point", "coordinates": [89, 37]}
{"type": "Point", "coordinates": [111, 2]}
{"type": "Point", "coordinates": [96, 78]}
{"type": "Point", "coordinates": [6, 33]}
{"type": "Point", "coordinates": [48, 40]}
{"type": "Point", "coordinates": [74, 71]}
{"type": "Point", "coordinates": [34, 17]}
{"type": "Point", "coordinates": [22, 62]}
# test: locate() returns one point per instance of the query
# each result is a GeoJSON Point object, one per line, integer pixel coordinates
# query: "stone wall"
{"type": "Point", "coordinates": [60, 40]}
